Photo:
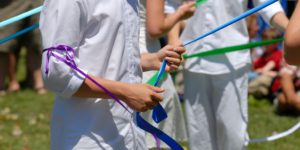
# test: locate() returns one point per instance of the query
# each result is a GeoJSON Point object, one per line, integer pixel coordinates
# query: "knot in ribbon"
{"type": "Point", "coordinates": [69, 56]}
{"type": "Point", "coordinates": [68, 59]}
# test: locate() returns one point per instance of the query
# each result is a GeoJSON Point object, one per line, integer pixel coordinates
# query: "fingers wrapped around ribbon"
{"type": "Point", "coordinates": [173, 56]}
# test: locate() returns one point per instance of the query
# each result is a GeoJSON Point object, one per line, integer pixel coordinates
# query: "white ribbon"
{"type": "Point", "coordinates": [275, 137]}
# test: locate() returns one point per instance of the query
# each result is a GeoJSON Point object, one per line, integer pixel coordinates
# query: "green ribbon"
{"type": "Point", "coordinates": [224, 50]}
{"type": "Point", "coordinates": [152, 80]}
{"type": "Point", "coordinates": [199, 2]}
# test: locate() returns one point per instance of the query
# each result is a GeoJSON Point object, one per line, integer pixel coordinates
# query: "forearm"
{"type": "Point", "coordinates": [158, 23]}
{"type": "Point", "coordinates": [173, 19]}
{"type": "Point", "coordinates": [139, 97]}
{"type": "Point", "coordinates": [280, 21]}
{"type": "Point", "coordinates": [271, 73]}
{"type": "Point", "coordinates": [269, 66]}
{"type": "Point", "coordinates": [174, 35]}
{"type": "Point", "coordinates": [292, 38]}
{"type": "Point", "coordinates": [90, 90]}
{"type": "Point", "coordinates": [287, 86]}
{"type": "Point", "coordinates": [150, 61]}
{"type": "Point", "coordinates": [162, 24]}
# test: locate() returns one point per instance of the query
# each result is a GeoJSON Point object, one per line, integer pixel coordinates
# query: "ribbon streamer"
{"type": "Point", "coordinates": [146, 126]}
{"type": "Point", "coordinates": [19, 33]}
{"type": "Point", "coordinates": [275, 137]}
{"type": "Point", "coordinates": [158, 109]}
{"type": "Point", "coordinates": [234, 20]}
{"type": "Point", "coordinates": [224, 50]}
{"type": "Point", "coordinates": [152, 80]}
{"type": "Point", "coordinates": [21, 16]}
{"type": "Point", "coordinates": [159, 114]}
{"type": "Point", "coordinates": [200, 2]}
{"type": "Point", "coordinates": [157, 133]}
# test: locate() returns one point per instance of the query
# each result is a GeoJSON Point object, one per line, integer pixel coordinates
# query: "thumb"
{"type": "Point", "coordinates": [157, 89]}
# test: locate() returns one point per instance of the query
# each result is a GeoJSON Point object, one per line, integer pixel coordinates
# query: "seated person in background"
{"type": "Point", "coordinates": [288, 99]}
{"type": "Point", "coordinates": [253, 29]}
{"type": "Point", "coordinates": [266, 67]}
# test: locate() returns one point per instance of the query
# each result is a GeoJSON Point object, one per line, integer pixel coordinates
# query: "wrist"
{"type": "Point", "coordinates": [179, 15]}
{"type": "Point", "coordinates": [151, 61]}
{"type": "Point", "coordinates": [157, 61]}
{"type": "Point", "coordinates": [121, 91]}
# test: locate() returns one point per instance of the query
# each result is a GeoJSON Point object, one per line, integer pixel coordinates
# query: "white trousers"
{"type": "Point", "coordinates": [216, 110]}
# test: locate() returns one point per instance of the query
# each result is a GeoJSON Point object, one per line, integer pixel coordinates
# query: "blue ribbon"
{"type": "Point", "coordinates": [157, 133]}
{"type": "Point", "coordinates": [234, 20]}
{"type": "Point", "coordinates": [159, 113]}
{"type": "Point", "coordinates": [19, 33]}
{"type": "Point", "coordinates": [21, 16]}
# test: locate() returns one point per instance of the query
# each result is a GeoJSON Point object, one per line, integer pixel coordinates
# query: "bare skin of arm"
{"type": "Point", "coordinates": [158, 23]}
{"type": "Point", "coordinates": [139, 97]}
{"type": "Point", "coordinates": [153, 61]}
{"type": "Point", "coordinates": [174, 34]}
{"type": "Point", "coordinates": [280, 21]}
{"type": "Point", "coordinates": [292, 39]}
{"type": "Point", "coordinates": [267, 69]}
{"type": "Point", "coordinates": [288, 99]}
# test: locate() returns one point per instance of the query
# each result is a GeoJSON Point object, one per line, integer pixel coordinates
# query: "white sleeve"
{"type": "Point", "coordinates": [268, 12]}
{"type": "Point", "coordinates": [172, 5]}
{"type": "Point", "coordinates": [61, 23]}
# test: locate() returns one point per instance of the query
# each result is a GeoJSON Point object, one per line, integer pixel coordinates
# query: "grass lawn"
{"type": "Point", "coordinates": [264, 122]}
{"type": "Point", "coordinates": [25, 119]}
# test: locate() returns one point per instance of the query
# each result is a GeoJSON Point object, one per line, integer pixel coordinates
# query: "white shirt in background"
{"type": "Point", "coordinates": [210, 15]}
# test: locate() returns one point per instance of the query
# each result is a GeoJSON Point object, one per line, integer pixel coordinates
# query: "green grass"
{"type": "Point", "coordinates": [31, 114]}
{"type": "Point", "coordinates": [25, 119]}
{"type": "Point", "coordinates": [264, 122]}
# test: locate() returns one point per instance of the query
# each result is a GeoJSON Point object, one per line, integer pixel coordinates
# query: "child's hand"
{"type": "Point", "coordinates": [173, 55]}
{"type": "Point", "coordinates": [186, 10]}
{"type": "Point", "coordinates": [142, 97]}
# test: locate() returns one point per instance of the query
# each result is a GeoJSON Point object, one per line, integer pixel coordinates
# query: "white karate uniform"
{"type": "Point", "coordinates": [174, 125]}
{"type": "Point", "coordinates": [104, 34]}
{"type": "Point", "coordinates": [216, 86]}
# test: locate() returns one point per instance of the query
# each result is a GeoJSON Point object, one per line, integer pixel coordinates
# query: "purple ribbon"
{"type": "Point", "coordinates": [69, 60]}
{"type": "Point", "coordinates": [69, 53]}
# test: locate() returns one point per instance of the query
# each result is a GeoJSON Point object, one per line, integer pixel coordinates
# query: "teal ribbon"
{"type": "Point", "coordinates": [19, 33]}
{"type": "Point", "coordinates": [21, 16]}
